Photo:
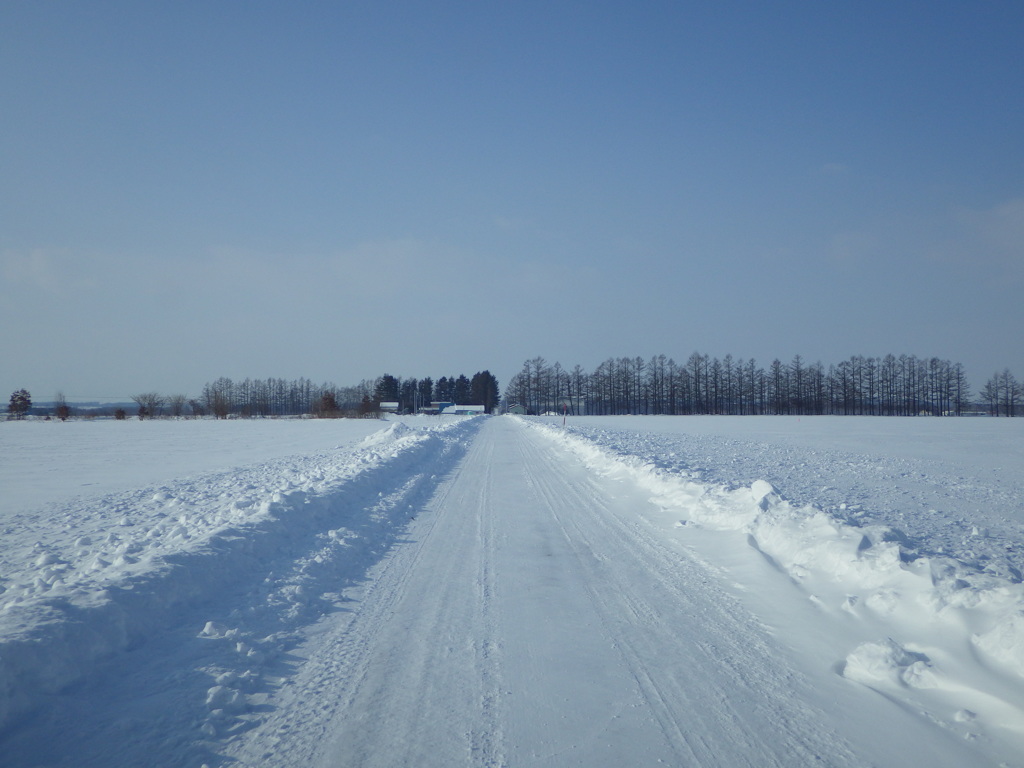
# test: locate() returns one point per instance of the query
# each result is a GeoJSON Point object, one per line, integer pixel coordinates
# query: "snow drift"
{"type": "Point", "coordinates": [113, 572]}
{"type": "Point", "coordinates": [941, 633]}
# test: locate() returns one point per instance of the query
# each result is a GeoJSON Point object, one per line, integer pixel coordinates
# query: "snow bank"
{"type": "Point", "coordinates": [89, 578]}
{"type": "Point", "coordinates": [933, 624]}
{"type": "Point", "coordinates": [45, 463]}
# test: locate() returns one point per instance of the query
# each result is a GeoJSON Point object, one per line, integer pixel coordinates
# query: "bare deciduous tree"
{"type": "Point", "coordinates": [891, 386]}
{"type": "Point", "coordinates": [150, 404]}
{"type": "Point", "coordinates": [177, 405]}
{"type": "Point", "coordinates": [62, 410]}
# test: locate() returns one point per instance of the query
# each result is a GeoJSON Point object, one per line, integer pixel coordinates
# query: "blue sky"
{"type": "Point", "coordinates": [191, 190]}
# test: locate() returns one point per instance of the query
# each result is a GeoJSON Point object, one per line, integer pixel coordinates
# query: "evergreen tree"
{"type": "Point", "coordinates": [328, 406]}
{"type": "Point", "coordinates": [443, 390]}
{"type": "Point", "coordinates": [408, 400]}
{"type": "Point", "coordinates": [21, 402]}
{"type": "Point", "coordinates": [386, 389]}
{"type": "Point", "coordinates": [484, 390]}
{"type": "Point", "coordinates": [461, 390]}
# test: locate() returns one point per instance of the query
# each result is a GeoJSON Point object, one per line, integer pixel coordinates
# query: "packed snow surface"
{"type": "Point", "coordinates": [712, 591]}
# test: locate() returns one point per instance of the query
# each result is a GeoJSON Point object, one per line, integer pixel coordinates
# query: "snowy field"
{"type": "Point", "coordinates": [473, 591]}
{"type": "Point", "coordinates": [953, 486]}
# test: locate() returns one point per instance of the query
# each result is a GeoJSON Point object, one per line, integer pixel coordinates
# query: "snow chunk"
{"type": "Point", "coordinates": [764, 494]}
{"type": "Point", "coordinates": [47, 558]}
{"type": "Point", "coordinates": [216, 630]}
{"type": "Point", "coordinates": [394, 432]}
{"type": "Point", "coordinates": [221, 697]}
{"type": "Point", "coordinates": [889, 663]}
{"type": "Point", "coordinates": [1005, 642]}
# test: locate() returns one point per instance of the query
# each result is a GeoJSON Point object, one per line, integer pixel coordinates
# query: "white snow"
{"type": "Point", "coordinates": [695, 590]}
{"type": "Point", "coordinates": [43, 462]}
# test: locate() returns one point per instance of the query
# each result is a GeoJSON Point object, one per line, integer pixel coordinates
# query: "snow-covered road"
{"type": "Point", "coordinates": [530, 621]}
{"type": "Point", "coordinates": [497, 592]}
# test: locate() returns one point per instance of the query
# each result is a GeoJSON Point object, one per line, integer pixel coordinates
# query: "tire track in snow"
{"type": "Point", "coordinates": [531, 621]}
{"type": "Point", "coordinates": [651, 694]}
{"type": "Point", "coordinates": [701, 662]}
{"type": "Point", "coordinates": [384, 695]}
{"type": "Point", "coordinates": [487, 741]}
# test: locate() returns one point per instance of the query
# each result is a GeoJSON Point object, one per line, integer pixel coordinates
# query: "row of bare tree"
{"type": "Point", "coordinates": [885, 386]}
{"type": "Point", "coordinates": [224, 397]}
{"type": "Point", "coordinates": [280, 397]}
{"type": "Point", "coordinates": [889, 386]}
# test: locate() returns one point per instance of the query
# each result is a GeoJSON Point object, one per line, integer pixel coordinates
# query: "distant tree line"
{"type": "Point", "coordinates": [225, 397]}
{"type": "Point", "coordinates": [1002, 394]}
{"type": "Point", "coordinates": [412, 394]}
{"type": "Point", "coordinates": [883, 386]}
{"type": "Point", "coordinates": [279, 397]}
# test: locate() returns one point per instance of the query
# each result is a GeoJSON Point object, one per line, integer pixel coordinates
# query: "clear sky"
{"type": "Point", "coordinates": [339, 190]}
